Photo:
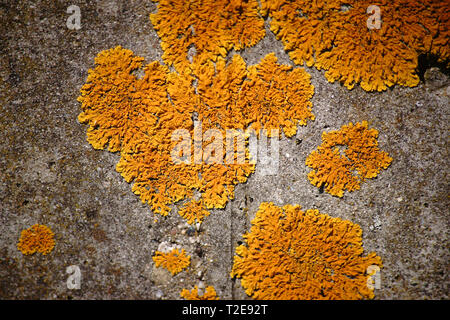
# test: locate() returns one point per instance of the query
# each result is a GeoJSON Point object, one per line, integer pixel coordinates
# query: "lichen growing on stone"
{"type": "Point", "coordinates": [440, 46]}
{"type": "Point", "coordinates": [209, 294]}
{"type": "Point", "coordinates": [211, 27]}
{"type": "Point", "coordinates": [37, 238]}
{"type": "Point", "coordinates": [336, 170]}
{"type": "Point", "coordinates": [109, 103]}
{"type": "Point", "coordinates": [267, 95]}
{"type": "Point", "coordinates": [302, 26]}
{"type": "Point", "coordinates": [175, 261]}
{"type": "Point", "coordinates": [157, 179]}
{"type": "Point", "coordinates": [334, 35]}
{"type": "Point", "coordinates": [276, 96]}
{"type": "Point", "coordinates": [113, 97]}
{"type": "Point", "coordinates": [291, 254]}
{"type": "Point", "coordinates": [138, 117]}
{"type": "Point", "coordinates": [194, 211]}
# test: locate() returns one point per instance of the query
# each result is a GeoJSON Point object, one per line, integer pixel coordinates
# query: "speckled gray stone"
{"type": "Point", "coordinates": [49, 173]}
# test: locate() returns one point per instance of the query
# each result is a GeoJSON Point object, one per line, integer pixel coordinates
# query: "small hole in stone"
{"type": "Point", "coordinates": [199, 252]}
{"type": "Point", "coordinates": [321, 188]}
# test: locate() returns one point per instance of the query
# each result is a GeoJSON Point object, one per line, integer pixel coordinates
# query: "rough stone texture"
{"type": "Point", "coordinates": [51, 175]}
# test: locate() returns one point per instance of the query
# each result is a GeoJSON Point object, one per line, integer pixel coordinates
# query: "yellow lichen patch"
{"type": "Point", "coordinates": [338, 171]}
{"type": "Point", "coordinates": [174, 261]}
{"type": "Point", "coordinates": [37, 238]}
{"type": "Point", "coordinates": [116, 104]}
{"type": "Point", "coordinates": [263, 96]}
{"type": "Point", "coordinates": [377, 59]}
{"type": "Point", "coordinates": [97, 110]}
{"type": "Point", "coordinates": [194, 211]}
{"type": "Point", "coordinates": [160, 182]}
{"type": "Point", "coordinates": [292, 254]}
{"type": "Point", "coordinates": [335, 36]}
{"type": "Point", "coordinates": [139, 116]}
{"type": "Point", "coordinates": [276, 96]}
{"type": "Point", "coordinates": [218, 89]}
{"type": "Point", "coordinates": [209, 294]}
{"type": "Point", "coordinates": [440, 46]}
{"type": "Point", "coordinates": [303, 26]}
{"type": "Point", "coordinates": [136, 118]}
{"type": "Point", "coordinates": [211, 27]}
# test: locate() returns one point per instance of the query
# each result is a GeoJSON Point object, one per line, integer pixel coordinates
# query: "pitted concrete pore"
{"type": "Point", "coordinates": [51, 175]}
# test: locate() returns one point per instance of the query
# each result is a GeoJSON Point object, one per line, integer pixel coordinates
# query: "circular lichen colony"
{"type": "Point", "coordinates": [293, 254]}
{"type": "Point", "coordinates": [346, 158]}
{"type": "Point", "coordinates": [37, 238]}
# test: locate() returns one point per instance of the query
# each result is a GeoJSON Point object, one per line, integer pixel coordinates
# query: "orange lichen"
{"type": "Point", "coordinates": [108, 103]}
{"type": "Point", "coordinates": [338, 171]}
{"type": "Point", "coordinates": [160, 181]}
{"type": "Point", "coordinates": [218, 90]}
{"type": "Point", "coordinates": [194, 211]}
{"type": "Point", "coordinates": [440, 46]}
{"type": "Point", "coordinates": [174, 261]}
{"type": "Point", "coordinates": [276, 96]}
{"type": "Point", "coordinates": [264, 96]}
{"type": "Point", "coordinates": [138, 116]}
{"type": "Point", "coordinates": [333, 35]}
{"type": "Point", "coordinates": [303, 26]}
{"type": "Point", "coordinates": [211, 27]}
{"type": "Point", "coordinates": [37, 238]}
{"type": "Point", "coordinates": [126, 112]}
{"type": "Point", "coordinates": [291, 254]}
{"type": "Point", "coordinates": [209, 294]}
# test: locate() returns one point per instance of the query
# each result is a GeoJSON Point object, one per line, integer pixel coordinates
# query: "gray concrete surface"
{"type": "Point", "coordinates": [49, 174]}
